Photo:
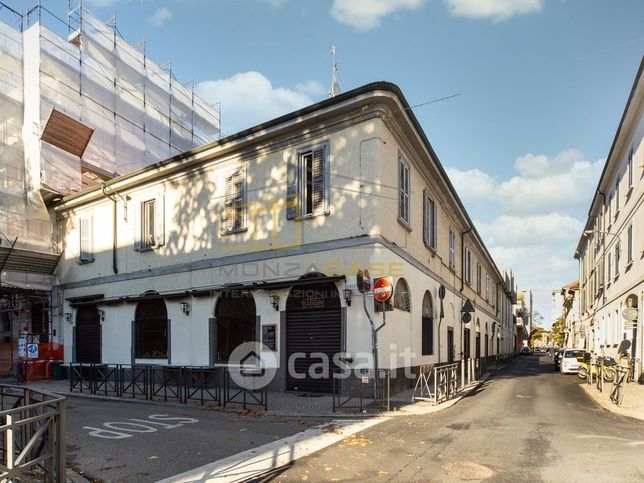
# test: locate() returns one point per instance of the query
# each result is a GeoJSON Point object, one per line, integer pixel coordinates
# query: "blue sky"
{"type": "Point", "coordinates": [543, 84]}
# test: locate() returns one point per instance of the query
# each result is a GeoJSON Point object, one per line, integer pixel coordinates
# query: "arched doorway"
{"type": "Point", "coordinates": [235, 323]}
{"type": "Point", "coordinates": [313, 336]}
{"type": "Point", "coordinates": [151, 328]}
{"type": "Point", "coordinates": [88, 335]}
{"type": "Point", "coordinates": [427, 336]}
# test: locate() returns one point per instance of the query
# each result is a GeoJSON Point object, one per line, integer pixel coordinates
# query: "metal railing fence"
{"type": "Point", "coordinates": [204, 384]}
{"type": "Point", "coordinates": [362, 389]}
{"type": "Point", "coordinates": [32, 435]}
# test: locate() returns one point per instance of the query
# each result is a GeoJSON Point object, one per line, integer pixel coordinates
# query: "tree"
{"type": "Point", "coordinates": [558, 331]}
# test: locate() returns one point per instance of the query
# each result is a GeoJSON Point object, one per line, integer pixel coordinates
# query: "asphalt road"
{"type": "Point", "coordinates": [528, 423]}
{"type": "Point", "coordinates": [129, 441]}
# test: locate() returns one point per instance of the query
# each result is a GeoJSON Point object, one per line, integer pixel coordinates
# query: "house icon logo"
{"type": "Point", "coordinates": [250, 367]}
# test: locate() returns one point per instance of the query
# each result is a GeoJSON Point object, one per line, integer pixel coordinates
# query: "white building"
{"type": "Point", "coordinates": [611, 249]}
{"type": "Point", "coordinates": [78, 106]}
{"type": "Point", "coordinates": [259, 236]}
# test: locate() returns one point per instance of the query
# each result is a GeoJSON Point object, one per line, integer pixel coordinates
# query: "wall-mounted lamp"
{"type": "Point", "coordinates": [347, 296]}
{"type": "Point", "coordinates": [275, 301]}
{"type": "Point", "coordinates": [68, 317]}
{"type": "Point", "coordinates": [185, 307]}
{"type": "Point", "coordinates": [101, 315]}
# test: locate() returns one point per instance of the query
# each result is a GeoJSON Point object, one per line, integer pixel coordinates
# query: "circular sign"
{"type": "Point", "coordinates": [630, 313]}
{"type": "Point", "coordinates": [382, 289]}
{"type": "Point", "coordinates": [466, 317]}
{"type": "Point", "coordinates": [441, 292]}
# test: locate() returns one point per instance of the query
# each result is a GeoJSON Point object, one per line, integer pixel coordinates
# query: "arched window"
{"type": "Point", "coordinates": [236, 323]}
{"type": "Point", "coordinates": [427, 327]}
{"type": "Point", "coordinates": [401, 296]}
{"type": "Point", "coordinates": [151, 330]}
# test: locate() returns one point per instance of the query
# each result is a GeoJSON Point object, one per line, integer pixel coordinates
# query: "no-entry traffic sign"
{"type": "Point", "coordinates": [382, 289]}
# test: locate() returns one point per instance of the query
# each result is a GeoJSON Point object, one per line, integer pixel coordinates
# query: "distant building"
{"type": "Point", "coordinates": [523, 317]}
{"type": "Point", "coordinates": [574, 332]}
{"type": "Point", "coordinates": [78, 106]}
{"type": "Point", "coordinates": [611, 248]}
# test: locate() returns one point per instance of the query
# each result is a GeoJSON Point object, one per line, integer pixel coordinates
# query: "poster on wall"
{"type": "Point", "coordinates": [269, 337]}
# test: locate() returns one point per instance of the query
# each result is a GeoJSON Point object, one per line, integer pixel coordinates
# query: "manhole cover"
{"type": "Point", "coordinates": [467, 470]}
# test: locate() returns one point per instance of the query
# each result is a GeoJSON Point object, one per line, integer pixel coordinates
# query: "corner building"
{"type": "Point", "coordinates": [259, 236]}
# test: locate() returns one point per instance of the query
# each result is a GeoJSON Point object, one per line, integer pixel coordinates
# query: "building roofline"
{"type": "Point", "coordinates": [602, 177]}
{"type": "Point", "coordinates": [292, 116]}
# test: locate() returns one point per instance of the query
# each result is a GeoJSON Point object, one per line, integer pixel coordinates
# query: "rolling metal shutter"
{"type": "Point", "coordinates": [307, 331]}
{"type": "Point", "coordinates": [88, 342]}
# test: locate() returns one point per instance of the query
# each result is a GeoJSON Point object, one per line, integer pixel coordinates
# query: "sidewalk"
{"type": "Point", "coordinates": [632, 406]}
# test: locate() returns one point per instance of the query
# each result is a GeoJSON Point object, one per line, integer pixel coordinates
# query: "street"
{"type": "Point", "coordinates": [129, 441]}
{"type": "Point", "coordinates": [526, 424]}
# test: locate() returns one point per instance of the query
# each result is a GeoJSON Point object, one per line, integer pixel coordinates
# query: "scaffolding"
{"type": "Point", "coordinates": [79, 105]}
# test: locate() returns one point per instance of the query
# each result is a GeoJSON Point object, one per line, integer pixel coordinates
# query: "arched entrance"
{"type": "Point", "coordinates": [313, 336]}
{"type": "Point", "coordinates": [151, 328]}
{"type": "Point", "coordinates": [235, 323]}
{"type": "Point", "coordinates": [87, 342]}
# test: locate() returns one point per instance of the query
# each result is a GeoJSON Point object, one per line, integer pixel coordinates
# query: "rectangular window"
{"type": "Point", "coordinates": [617, 250]}
{"type": "Point", "coordinates": [610, 208]}
{"type": "Point", "coordinates": [452, 249]}
{"type": "Point", "coordinates": [609, 268]}
{"type": "Point", "coordinates": [403, 191]}
{"type": "Point", "coordinates": [630, 167]}
{"type": "Point", "coordinates": [148, 216]}
{"type": "Point", "coordinates": [86, 240]}
{"type": "Point", "coordinates": [429, 220]}
{"type": "Point", "coordinates": [235, 202]}
{"type": "Point", "coordinates": [478, 278]}
{"type": "Point", "coordinates": [487, 287]}
{"type": "Point", "coordinates": [616, 198]}
{"type": "Point", "coordinates": [468, 266]}
{"type": "Point", "coordinates": [308, 181]}
{"type": "Point", "coordinates": [629, 245]}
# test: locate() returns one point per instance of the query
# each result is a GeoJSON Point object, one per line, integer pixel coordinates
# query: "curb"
{"type": "Point", "coordinates": [607, 405]}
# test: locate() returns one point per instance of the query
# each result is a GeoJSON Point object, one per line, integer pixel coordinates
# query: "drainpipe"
{"type": "Point", "coordinates": [463, 233]}
{"type": "Point", "coordinates": [112, 197]}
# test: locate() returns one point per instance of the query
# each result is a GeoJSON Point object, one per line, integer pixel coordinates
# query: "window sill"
{"type": "Point", "coordinates": [85, 262]}
{"type": "Point", "coordinates": [616, 213]}
{"type": "Point", "coordinates": [405, 224]}
{"type": "Point", "coordinates": [146, 249]}
{"type": "Point", "coordinates": [616, 277]}
{"type": "Point", "coordinates": [232, 232]}
{"type": "Point", "coordinates": [431, 249]}
{"type": "Point", "coordinates": [309, 216]}
{"type": "Point", "coordinates": [628, 265]}
{"type": "Point", "coordinates": [629, 190]}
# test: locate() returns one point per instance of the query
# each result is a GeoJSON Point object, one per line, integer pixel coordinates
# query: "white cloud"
{"type": "Point", "coordinates": [249, 98]}
{"type": "Point", "coordinates": [497, 10]}
{"type": "Point", "coordinates": [101, 3]}
{"type": "Point", "coordinates": [545, 184]}
{"type": "Point", "coordinates": [472, 185]}
{"type": "Point", "coordinates": [160, 16]}
{"type": "Point", "coordinates": [522, 231]}
{"type": "Point", "coordinates": [366, 14]}
{"type": "Point", "coordinates": [312, 88]}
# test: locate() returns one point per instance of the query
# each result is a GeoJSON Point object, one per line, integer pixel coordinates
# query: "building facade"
{"type": "Point", "coordinates": [611, 248]}
{"type": "Point", "coordinates": [259, 236]}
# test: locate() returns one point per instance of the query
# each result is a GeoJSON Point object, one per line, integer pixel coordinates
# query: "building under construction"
{"type": "Point", "coordinates": [78, 105]}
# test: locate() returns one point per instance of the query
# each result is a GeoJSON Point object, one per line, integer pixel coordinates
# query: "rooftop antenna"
{"type": "Point", "coordinates": [334, 90]}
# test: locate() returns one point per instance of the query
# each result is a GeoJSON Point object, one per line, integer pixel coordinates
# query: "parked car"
{"type": "Point", "coordinates": [525, 351]}
{"type": "Point", "coordinates": [556, 359]}
{"type": "Point", "coordinates": [570, 361]}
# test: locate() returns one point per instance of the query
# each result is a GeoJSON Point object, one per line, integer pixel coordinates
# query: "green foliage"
{"type": "Point", "coordinates": [557, 331]}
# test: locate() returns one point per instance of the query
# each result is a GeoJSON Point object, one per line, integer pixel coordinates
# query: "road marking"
{"type": "Point", "coordinates": [252, 463]}
{"type": "Point", "coordinates": [122, 429]}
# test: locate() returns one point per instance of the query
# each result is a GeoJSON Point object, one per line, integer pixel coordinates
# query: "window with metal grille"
{"type": "Point", "coordinates": [147, 225]}
{"type": "Point", "coordinates": [478, 278]}
{"type": "Point", "coordinates": [629, 245]}
{"type": "Point", "coordinates": [401, 296]}
{"type": "Point", "coordinates": [86, 240]}
{"type": "Point", "coordinates": [403, 191]}
{"type": "Point", "coordinates": [235, 202]}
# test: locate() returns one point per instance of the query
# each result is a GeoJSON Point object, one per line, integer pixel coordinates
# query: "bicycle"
{"type": "Point", "coordinates": [608, 368]}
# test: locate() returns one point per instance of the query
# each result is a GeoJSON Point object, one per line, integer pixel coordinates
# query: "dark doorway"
{"type": "Point", "coordinates": [427, 327]}
{"type": "Point", "coordinates": [88, 335]}
{"type": "Point", "coordinates": [236, 323]}
{"type": "Point", "coordinates": [151, 330]}
{"type": "Point", "coordinates": [478, 345]}
{"type": "Point", "coordinates": [40, 320]}
{"type": "Point", "coordinates": [313, 337]}
{"type": "Point", "coordinates": [450, 345]}
{"type": "Point", "coordinates": [487, 344]}
{"type": "Point", "coordinates": [466, 343]}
